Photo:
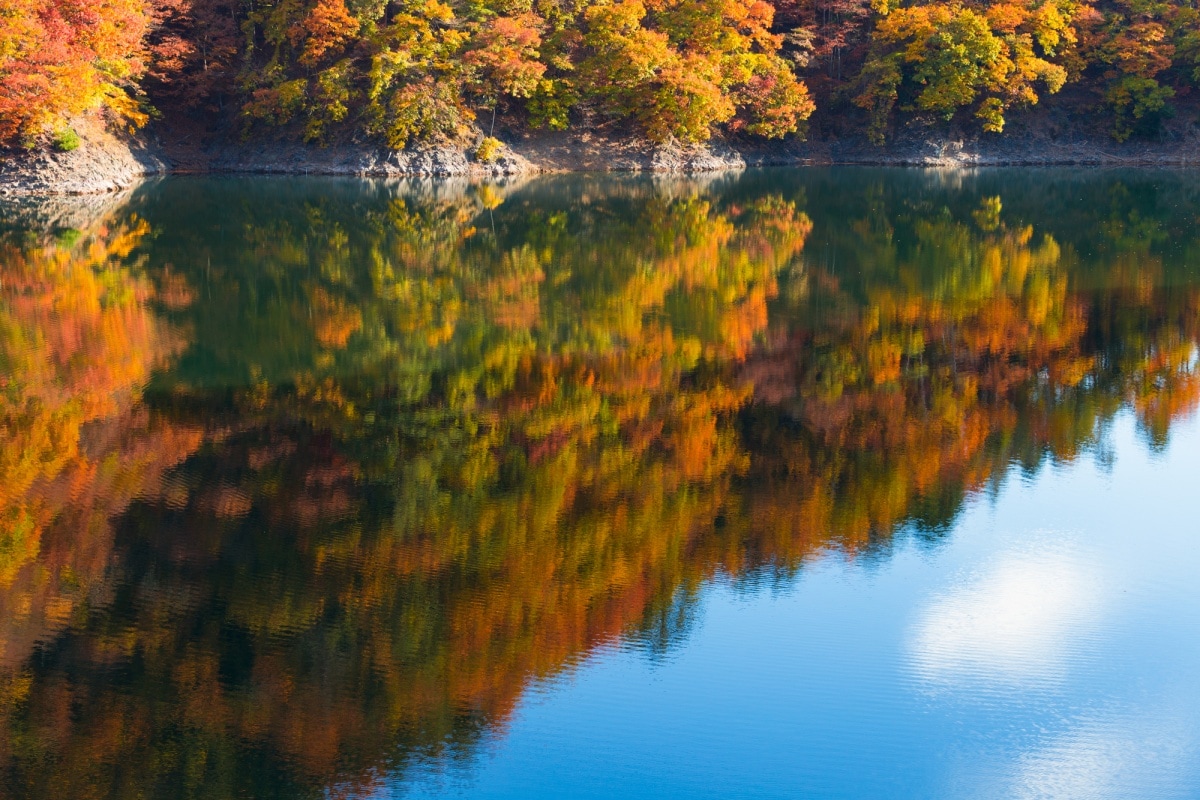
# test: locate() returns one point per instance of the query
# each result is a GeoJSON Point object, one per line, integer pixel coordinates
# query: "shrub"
{"type": "Point", "coordinates": [488, 150]}
{"type": "Point", "coordinates": [65, 140]}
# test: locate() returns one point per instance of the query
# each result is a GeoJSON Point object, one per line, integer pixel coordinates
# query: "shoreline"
{"type": "Point", "coordinates": [107, 163]}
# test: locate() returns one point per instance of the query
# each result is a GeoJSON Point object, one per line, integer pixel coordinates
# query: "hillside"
{"type": "Point", "coordinates": [387, 87]}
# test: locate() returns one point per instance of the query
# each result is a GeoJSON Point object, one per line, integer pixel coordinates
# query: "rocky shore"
{"type": "Point", "coordinates": [102, 163]}
{"type": "Point", "coordinates": [106, 163]}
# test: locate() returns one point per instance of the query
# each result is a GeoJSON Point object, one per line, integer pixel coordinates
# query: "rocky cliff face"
{"type": "Point", "coordinates": [103, 163]}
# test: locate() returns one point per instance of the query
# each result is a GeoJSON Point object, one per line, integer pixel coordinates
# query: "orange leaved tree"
{"type": "Point", "coordinates": [62, 58]}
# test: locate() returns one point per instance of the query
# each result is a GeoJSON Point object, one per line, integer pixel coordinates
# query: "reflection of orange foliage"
{"type": "Point", "coordinates": [615, 441]}
{"type": "Point", "coordinates": [1165, 385]}
{"type": "Point", "coordinates": [514, 292]}
{"type": "Point", "coordinates": [899, 399]}
{"type": "Point", "coordinates": [334, 322]}
{"type": "Point", "coordinates": [122, 458]}
{"type": "Point", "coordinates": [78, 341]}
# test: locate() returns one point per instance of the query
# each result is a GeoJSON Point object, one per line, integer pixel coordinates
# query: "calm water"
{"type": "Point", "coordinates": [829, 484]}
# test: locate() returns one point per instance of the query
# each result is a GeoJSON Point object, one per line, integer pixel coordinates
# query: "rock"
{"type": "Point", "coordinates": [438, 161]}
{"type": "Point", "coordinates": [102, 163]}
{"type": "Point", "coordinates": [673, 157]}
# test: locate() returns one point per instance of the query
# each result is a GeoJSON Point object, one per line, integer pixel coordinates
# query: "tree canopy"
{"type": "Point", "coordinates": [402, 71]}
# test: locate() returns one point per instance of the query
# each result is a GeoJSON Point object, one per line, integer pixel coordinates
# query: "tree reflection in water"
{"type": "Point", "coordinates": [302, 480]}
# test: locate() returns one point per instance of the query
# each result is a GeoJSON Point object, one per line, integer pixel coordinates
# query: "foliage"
{"type": "Point", "coordinates": [489, 150]}
{"type": "Point", "coordinates": [66, 140]}
{"type": "Point", "coordinates": [422, 70]}
{"type": "Point", "coordinates": [195, 48]}
{"type": "Point", "coordinates": [1141, 52]}
{"type": "Point", "coordinates": [693, 65]}
{"type": "Point", "coordinates": [63, 58]}
{"type": "Point", "coordinates": [944, 57]}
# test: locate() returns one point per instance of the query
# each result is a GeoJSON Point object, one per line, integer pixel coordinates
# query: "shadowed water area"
{"type": "Point", "coordinates": [823, 483]}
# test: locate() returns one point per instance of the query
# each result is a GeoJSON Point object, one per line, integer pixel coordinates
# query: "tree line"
{"type": "Point", "coordinates": [402, 71]}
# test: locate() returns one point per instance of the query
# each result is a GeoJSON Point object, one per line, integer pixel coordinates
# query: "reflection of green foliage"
{"type": "Point", "coordinates": [18, 544]}
{"type": "Point", "coordinates": [69, 237]}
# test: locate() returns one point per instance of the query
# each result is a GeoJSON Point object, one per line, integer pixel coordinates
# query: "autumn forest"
{"type": "Point", "coordinates": [401, 72]}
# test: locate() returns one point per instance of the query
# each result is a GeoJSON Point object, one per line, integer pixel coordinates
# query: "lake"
{"type": "Point", "coordinates": [824, 483]}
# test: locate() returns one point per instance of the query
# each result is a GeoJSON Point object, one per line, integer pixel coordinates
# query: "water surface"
{"type": "Point", "coordinates": [824, 483]}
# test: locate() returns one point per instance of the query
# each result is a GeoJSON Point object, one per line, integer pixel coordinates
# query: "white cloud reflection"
{"type": "Point", "coordinates": [1017, 624]}
{"type": "Point", "coordinates": [1148, 755]}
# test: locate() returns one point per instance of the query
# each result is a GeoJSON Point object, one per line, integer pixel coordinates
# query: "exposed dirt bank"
{"type": "Point", "coordinates": [106, 163]}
